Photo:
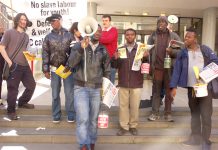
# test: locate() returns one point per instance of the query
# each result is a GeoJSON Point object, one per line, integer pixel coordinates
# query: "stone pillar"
{"type": "Point", "coordinates": [209, 27]}
{"type": "Point", "coordinates": [92, 9]}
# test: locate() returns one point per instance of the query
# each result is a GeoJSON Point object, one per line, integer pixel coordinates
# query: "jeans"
{"type": "Point", "coordinates": [69, 94]}
{"type": "Point", "coordinates": [113, 75]}
{"type": "Point", "coordinates": [87, 105]}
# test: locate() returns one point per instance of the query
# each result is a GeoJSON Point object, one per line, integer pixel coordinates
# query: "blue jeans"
{"type": "Point", "coordinates": [113, 75]}
{"type": "Point", "coordinates": [69, 96]}
{"type": "Point", "coordinates": [87, 105]}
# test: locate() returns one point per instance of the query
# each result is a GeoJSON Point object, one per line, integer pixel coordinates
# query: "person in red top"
{"type": "Point", "coordinates": [109, 40]}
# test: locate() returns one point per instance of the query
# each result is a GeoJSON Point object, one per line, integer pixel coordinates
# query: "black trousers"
{"type": "Point", "coordinates": [201, 112]}
{"type": "Point", "coordinates": [161, 82]}
{"type": "Point", "coordinates": [20, 74]}
{"type": "Point", "coordinates": [2, 62]}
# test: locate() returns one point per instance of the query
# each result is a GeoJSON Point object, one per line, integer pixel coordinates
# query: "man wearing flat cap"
{"type": "Point", "coordinates": [161, 75]}
{"type": "Point", "coordinates": [54, 17]}
{"type": "Point", "coordinates": [55, 52]}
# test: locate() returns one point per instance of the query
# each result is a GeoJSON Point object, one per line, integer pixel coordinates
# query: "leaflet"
{"type": "Point", "coordinates": [209, 72]}
{"type": "Point", "coordinates": [60, 72]}
{"type": "Point", "coordinates": [122, 52]}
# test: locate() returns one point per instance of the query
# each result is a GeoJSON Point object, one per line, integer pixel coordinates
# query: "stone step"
{"type": "Point", "coordinates": [67, 136]}
{"type": "Point", "coordinates": [141, 146]}
{"type": "Point", "coordinates": [45, 121]}
{"type": "Point", "coordinates": [113, 111]}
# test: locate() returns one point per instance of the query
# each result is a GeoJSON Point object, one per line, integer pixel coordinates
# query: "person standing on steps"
{"type": "Point", "coordinates": [88, 83]}
{"type": "Point", "coordinates": [16, 40]}
{"type": "Point", "coordinates": [109, 39]}
{"type": "Point", "coordinates": [130, 83]}
{"type": "Point", "coordinates": [161, 75]}
{"type": "Point", "coordinates": [183, 76]}
{"type": "Point", "coordinates": [55, 52]}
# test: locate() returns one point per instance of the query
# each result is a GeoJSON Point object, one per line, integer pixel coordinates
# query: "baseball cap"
{"type": "Point", "coordinates": [53, 17]}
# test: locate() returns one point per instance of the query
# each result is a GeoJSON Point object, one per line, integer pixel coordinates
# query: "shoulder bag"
{"type": "Point", "coordinates": [6, 69]}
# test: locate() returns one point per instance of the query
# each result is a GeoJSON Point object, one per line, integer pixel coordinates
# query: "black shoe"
{"type": "Point", "coordinates": [133, 131]}
{"type": "Point", "coordinates": [12, 116]}
{"type": "Point", "coordinates": [145, 103]}
{"type": "Point", "coordinates": [122, 131]}
{"type": "Point", "coordinates": [27, 106]}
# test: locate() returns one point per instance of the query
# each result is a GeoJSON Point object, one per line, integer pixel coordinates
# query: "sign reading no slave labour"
{"type": "Point", "coordinates": [38, 10]}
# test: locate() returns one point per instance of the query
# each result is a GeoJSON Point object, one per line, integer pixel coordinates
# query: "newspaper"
{"type": "Point", "coordinates": [109, 92]}
{"type": "Point", "coordinates": [139, 55]}
{"type": "Point", "coordinates": [209, 72]}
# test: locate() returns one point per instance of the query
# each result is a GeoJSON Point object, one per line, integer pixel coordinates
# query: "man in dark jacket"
{"type": "Point", "coordinates": [130, 83]}
{"type": "Point", "coordinates": [55, 51]}
{"type": "Point", "coordinates": [92, 63]}
{"type": "Point", "coordinates": [161, 75]}
{"type": "Point", "coordinates": [184, 76]}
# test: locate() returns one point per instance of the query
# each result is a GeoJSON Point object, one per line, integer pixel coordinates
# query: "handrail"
{"type": "Point", "coordinates": [9, 7]}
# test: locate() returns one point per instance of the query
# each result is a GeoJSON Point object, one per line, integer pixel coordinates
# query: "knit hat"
{"type": "Point", "coordinates": [162, 18]}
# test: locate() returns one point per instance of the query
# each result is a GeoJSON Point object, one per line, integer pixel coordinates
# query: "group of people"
{"type": "Point", "coordinates": [92, 58]}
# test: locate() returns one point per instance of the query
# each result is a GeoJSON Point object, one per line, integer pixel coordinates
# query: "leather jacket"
{"type": "Point", "coordinates": [97, 65]}
{"type": "Point", "coordinates": [56, 49]}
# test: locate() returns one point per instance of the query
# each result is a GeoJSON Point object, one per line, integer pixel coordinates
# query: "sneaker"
{"type": "Point", "coordinates": [56, 121]}
{"type": "Point", "coordinates": [27, 106]}
{"type": "Point", "coordinates": [133, 131]}
{"type": "Point", "coordinates": [12, 116]}
{"type": "Point", "coordinates": [70, 120]}
{"type": "Point", "coordinates": [122, 131]}
{"type": "Point", "coordinates": [168, 118]}
{"type": "Point", "coordinates": [153, 117]}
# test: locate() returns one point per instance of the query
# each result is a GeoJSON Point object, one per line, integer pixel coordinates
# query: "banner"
{"type": "Point", "coordinates": [38, 10]}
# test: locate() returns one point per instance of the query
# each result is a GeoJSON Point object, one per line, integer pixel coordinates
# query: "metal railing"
{"type": "Point", "coordinates": [6, 16]}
